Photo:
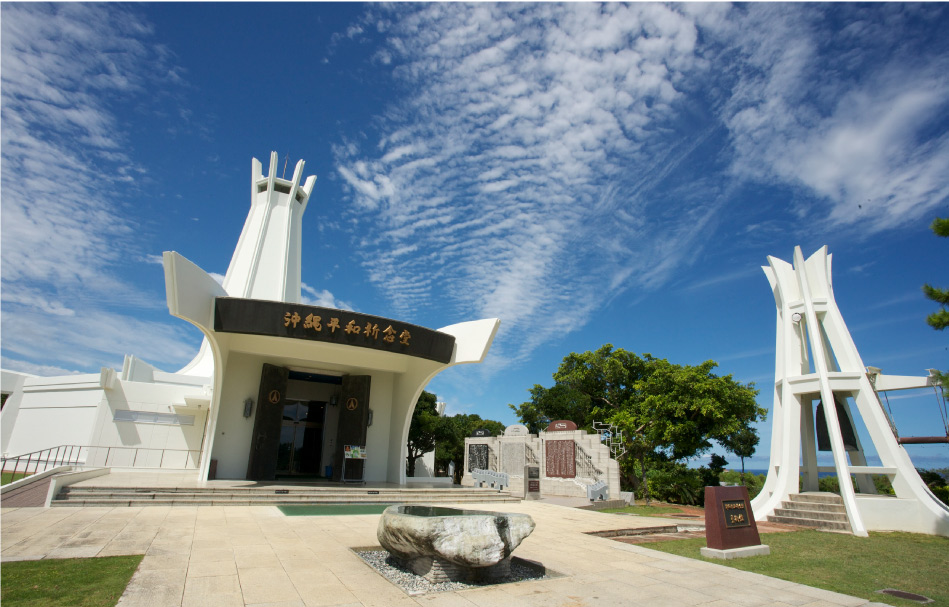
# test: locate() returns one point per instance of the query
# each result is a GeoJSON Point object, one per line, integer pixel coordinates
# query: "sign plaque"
{"type": "Point", "coordinates": [561, 425]}
{"type": "Point", "coordinates": [532, 482]}
{"type": "Point", "coordinates": [730, 529]}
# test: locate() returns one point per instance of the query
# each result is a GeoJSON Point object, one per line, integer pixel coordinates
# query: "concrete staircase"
{"type": "Point", "coordinates": [271, 496]}
{"type": "Point", "coordinates": [819, 510]}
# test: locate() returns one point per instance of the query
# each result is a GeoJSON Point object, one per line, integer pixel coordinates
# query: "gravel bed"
{"type": "Point", "coordinates": [388, 566]}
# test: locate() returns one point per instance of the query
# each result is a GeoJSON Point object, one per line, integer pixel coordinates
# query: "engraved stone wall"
{"type": "Point", "coordinates": [561, 458]}
{"type": "Point", "coordinates": [477, 457]}
{"type": "Point", "coordinates": [513, 458]}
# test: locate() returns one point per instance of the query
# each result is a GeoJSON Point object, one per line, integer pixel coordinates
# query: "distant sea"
{"type": "Point", "coordinates": [763, 471]}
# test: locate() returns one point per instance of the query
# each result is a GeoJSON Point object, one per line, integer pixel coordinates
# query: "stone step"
{"type": "Point", "coordinates": [814, 506]}
{"type": "Point", "coordinates": [317, 490]}
{"type": "Point", "coordinates": [66, 493]}
{"type": "Point", "coordinates": [814, 523]}
{"type": "Point", "coordinates": [816, 497]}
{"type": "Point", "coordinates": [369, 499]}
{"type": "Point", "coordinates": [335, 497]}
{"type": "Point", "coordinates": [206, 501]}
{"type": "Point", "coordinates": [273, 495]}
{"type": "Point", "coordinates": [817, 515]}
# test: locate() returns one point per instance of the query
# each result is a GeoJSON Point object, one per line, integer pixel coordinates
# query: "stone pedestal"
{"type": "Point", "coordinates": [735, 553]}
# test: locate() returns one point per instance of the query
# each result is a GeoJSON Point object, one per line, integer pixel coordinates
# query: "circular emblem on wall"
{"type": "Point", "coordinates": [351, 404]}
{"type": "Point", "coordinates": [274, 397]}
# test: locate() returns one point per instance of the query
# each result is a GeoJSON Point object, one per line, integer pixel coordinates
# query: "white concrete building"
{"type": "Point", "coordinates": [277, 388]}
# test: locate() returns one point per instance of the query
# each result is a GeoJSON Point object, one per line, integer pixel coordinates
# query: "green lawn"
{"type": "Point", "coordinates": [96, 582]}
{"type": "Point", "coordinates": [651, 510]}
{"type": "Point", "coordinates": [844, 563]}
{"type": "Point", "coordinates": [9, 477]}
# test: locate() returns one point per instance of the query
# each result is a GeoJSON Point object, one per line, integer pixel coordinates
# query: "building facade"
{"type": "Point", "coordinates": [277, 387]}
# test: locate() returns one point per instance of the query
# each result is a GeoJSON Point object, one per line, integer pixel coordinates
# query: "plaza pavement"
{"type": "Point", "coordinates": [212, 556]}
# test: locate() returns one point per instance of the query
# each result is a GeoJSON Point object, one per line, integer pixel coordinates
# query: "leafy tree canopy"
{"type": "Point", "coordinates": [451, 443]}
{"type": "Point", "coordinates": [939, 319]}
{"type": "Point", "coordinates": [667, 412]}
{"type": "Point", "coordinates": [424, 430]}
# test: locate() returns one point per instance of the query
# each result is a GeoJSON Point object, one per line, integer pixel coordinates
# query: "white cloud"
{"type": "Point", "coordinates": [322, 298]}
{"type": "Point", "coordinates": [852, 124]}
{"type": "Point", "coordinates": [65, 70]}
{"type": "Point", "coordinates": [501, 181]}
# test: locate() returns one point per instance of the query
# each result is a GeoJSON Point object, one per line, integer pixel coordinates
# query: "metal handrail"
{"type": "Point", "coordinates": [79, 455]}
{"type": "Point", "coordinates": [584, 464]}
{"type": "Point", "coordinates": [62, 455]}
{"type": "Point", "coordinates": [529, 455]}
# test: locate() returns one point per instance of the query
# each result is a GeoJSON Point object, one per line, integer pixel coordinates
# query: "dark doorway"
{"type": "Point", "coordinates": [271, 398]}
{"type": "Point", "coordinates": [353, 424]}
{"type": "Point", "coordinates": [301, 438]}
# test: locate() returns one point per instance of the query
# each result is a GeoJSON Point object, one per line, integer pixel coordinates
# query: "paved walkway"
{"type": "Point", "coordinates": [240, 556]}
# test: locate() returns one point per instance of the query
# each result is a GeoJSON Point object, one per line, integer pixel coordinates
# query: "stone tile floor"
{"type": "Point", "coordinates": [254, 556]}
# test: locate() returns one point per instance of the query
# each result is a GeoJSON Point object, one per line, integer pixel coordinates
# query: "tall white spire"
{"type": "Point", "coordinates": [266, 261]}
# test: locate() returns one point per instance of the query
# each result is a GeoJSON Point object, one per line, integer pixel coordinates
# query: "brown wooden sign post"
{"type": "Point", "coordinates": [730, 529]}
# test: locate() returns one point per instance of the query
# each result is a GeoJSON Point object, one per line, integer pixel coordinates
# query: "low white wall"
{"type": "Point", "coordinates": [52, 412]}
{"type": "Point", "coordinates": [148, 445]}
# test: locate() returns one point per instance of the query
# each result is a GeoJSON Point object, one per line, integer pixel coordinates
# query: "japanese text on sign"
{"type": "Point", "coordinates": [370, 331]}
{"type": "Point", "coordinates": [735, 513]}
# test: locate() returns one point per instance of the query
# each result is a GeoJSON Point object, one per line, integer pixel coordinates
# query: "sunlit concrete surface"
{"type": "Point", "coordinates": [255, 556]}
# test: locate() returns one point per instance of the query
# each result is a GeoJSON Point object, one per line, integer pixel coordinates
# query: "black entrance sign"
{"type": "Point", "coordinates": [735, 513]}
{"type": "Point", "coordinates": [278, 319]}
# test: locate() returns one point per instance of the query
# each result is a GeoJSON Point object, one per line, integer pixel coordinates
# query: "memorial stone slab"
{"type": "Point", "coordinates": [517, 430]}
{"type": "Point", "coordinates": [481, 433]}
{"type": "Point", "coordinates": [561, 425]}
{"type": "Point", "coordinates": [561, 458]}
{"type": "Point", "coordinates": [532, 482]}
{"type": "Point", "coordinates": [513, 457]}
{"type": "Point", "coordinates": [477, 457]}
{"type": "Point", "coordinates": [730, 529]}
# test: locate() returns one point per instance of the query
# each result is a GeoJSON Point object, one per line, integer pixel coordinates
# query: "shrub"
{"type": "Point", "coordinates": [677, 484]}
{"type": "Point", "coordinates": [754, 482]}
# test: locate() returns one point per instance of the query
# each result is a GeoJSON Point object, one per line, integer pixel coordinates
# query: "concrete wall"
{"type": "Point", "coordinates": [147, 445]}
{"type": "Point", "coordinates": [599, 453]}
{"type": "Point", "coordinates": [232, 436]}
{"type": "Point", "coordinates": [52, 412]}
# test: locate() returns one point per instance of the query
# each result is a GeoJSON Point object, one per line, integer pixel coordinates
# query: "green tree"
{"type": "Point", "coordinates": [451, 440]}
{"type": "Point", "coordinates": [424, 430]}
{"type": "Point", "coordinates": [742, 443]}
{"type": "Point", "coordinates": [667, 413]}
{"type": "Point", "coordinates": [557, 402]}
{"type": "Point", "coordinates": [939, 319]}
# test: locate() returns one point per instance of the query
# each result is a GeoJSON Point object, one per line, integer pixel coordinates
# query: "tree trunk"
{"type": "Point", "coordinates": [411, 464]}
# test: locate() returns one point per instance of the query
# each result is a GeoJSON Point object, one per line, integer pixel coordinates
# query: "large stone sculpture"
{"type": "Point", "coordinates": [444, 544]}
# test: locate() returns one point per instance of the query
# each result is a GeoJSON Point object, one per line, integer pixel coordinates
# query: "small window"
{"type": "Point", "coordinates": [149, 417]}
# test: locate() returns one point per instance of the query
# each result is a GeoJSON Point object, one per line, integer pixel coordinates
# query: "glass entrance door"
{"type": "Point", "coordinates": [301, 438]}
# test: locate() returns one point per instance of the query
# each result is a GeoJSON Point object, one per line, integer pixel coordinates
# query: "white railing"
{"type": "Point", "coordinates": [584, 465]}
{"type": "Point", "coordinates": [105, 457]}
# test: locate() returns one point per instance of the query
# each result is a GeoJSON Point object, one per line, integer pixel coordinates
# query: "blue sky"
{"type": "Point", "coordinates": [588, 174]}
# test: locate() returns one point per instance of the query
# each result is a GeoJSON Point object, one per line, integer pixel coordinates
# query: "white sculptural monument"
{"type": "Point", "coordinates": [817, 360]}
